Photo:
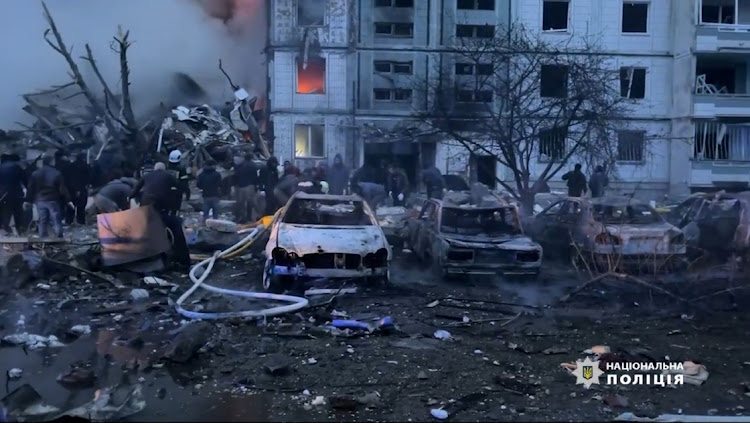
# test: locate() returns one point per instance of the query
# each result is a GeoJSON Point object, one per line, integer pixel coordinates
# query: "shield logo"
{"type": "Point", "coordinates": [588, 372]}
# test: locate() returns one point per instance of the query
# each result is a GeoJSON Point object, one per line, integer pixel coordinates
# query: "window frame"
{"type": "Point", "coordinates": [392, 64]}
{"type": "Point", "coordinates": [566, 82]}
{"type": "Point", "coordinates": [393, 26]}
{"type": "Point", "coordinates": [476, 6]}
{"type": "Point", "coordinates": [567, 20]}
{"type": "Point", "coordinates": [392, 94]}
{"type": "Point", "coordinates": [309, 127]}
{"type": "Point", "coordinates": [551, 131]}
{"type": "Point", "coordinates": [648, 17]}
{"type": "Point", "coordinates": [325, 16]}
{"type": "Point", "coordinates": [641, 151]}
{"type": "Point", "coordinates": [632, 71]}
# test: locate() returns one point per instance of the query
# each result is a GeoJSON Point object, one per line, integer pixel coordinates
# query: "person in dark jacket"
{"type": "Point", "coordinates": [62, 163]}
{"type": "Point", "coordinates": [47, 190]}
{"type": "Point", "coordinates": [11, 193]}
{"type": "Point", "coordinates": [433, 181]}
{"type": "Point", "coordinates": [398, 185]}
{"type": "Point", "coordinates": [114, 196]}
{"type": "Point", "coordinates": [598, 182]}
{"type": "Point", "coordinates": [373, 194]}
{"type": "Point", "coordinates": [576, 181]}
{"type": "Point", "coordinates": [287, 186]}
{"type": "Point", "coordinates": [288, 168]}
{"type": "Point", "coordinates": [245, 182]}
{"type": "Point", "coordinates": [183, 178]}
{"type": "Point", "coordinates": [78, 180]}
{"type": "Point", "coordinates": [338, 176]}
{"type": "Point", "coordinates": [269, 178]}
{"type": "Point", "coordinates": [209, 182]}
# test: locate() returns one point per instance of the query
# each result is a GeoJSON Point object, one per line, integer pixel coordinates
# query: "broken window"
{"type": "Point", "coordinates": [470, 69]}
{"type": "Point", "coordinates": [627, 213]}
{"type": "Point", "coordinates": [635, 17]}
{"type": "Point", "coordinates": [303, 211]}
{"type": "Point", "coordinates": [555, 15]}
{"type": "Point", "coordinates": [394, 29]}
{"type": "Point", "coordinates": [311, 79]}
{"type": "Point", "coordinates": [551, 144]}
{"type": "Point", "coordinates": [633, 82]}
{"type": "Point", "coordinates": [472, 96]}
{"type": "Point", "coordinates": [630, 146]}
{"type": "Point", "coordinates": [475, 4]}
{"type": "Point", "coordinates": [490, 222]}
{"type": "Point", "coordinates": [719, 13]}
{"type": "Point", "coordinates": [396, 94]}
{"type": "Point", "coordinates": [311, 12]}
{"type": "Point", "coordinates": [309, 141]}
{"type": "Point", "coordinates": [384, 66]}
{"type": "Point", "coordinates": [554, 81]}
{"type": "Point", "coordinates": [475, 31]}
{"type": "Point", "coordinates": [394, 3]}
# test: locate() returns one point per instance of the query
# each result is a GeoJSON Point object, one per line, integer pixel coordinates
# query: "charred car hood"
{"type": "Point", "coordinates": [511, 242]}
{"type": "Point", "coordinates": [311, 239]}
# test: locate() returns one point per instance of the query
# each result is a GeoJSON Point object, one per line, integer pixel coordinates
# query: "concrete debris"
{"type": "Point", "coordinates": [138, 294]}
{"type": "Point", "coordinates": [113, 403]}
{"type": "Point", "coordinates": [153, 280]}
{"type": "Point", "coordinates": [24, 403]}
{"type": "Point", "coordinates": [191, 338]}
{"type": "Point", "coordinates": [439, 413]}
{"type": "Point", "coordinates": [81, 329]}
{"type": "Point", "coordinates": [442, 334]}
{"type": "Point", "coordinates": [34, 341]}
{"type": "Point", "coordinates": [15, 373]}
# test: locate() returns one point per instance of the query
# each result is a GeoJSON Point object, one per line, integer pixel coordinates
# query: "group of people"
{"type": "Point", "coordinates": [577, 186]}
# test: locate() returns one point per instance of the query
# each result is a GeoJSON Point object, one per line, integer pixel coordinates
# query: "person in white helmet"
{"type": "Point", "coordinates": [183, 178]}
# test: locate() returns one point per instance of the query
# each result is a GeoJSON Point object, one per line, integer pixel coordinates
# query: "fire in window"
{"type": "Point", "coordinates": [635, 17]}
{"type": "Point", "coordinates": [311, 79]}
{"type": "Point", "coordinates": [630, 146]}
{"type": "Point", "coordinates": [554, 81]}
{"type": "Point", "coordinates": [309, 141]}
{"type": "Point", "coordinates": [633, 83]}
{"type": "Point", "coordinates": [311, 12]}
{"type": "Point", "coordinates": [551, 144]}
{"type": "Point", "coordinates": [475, 4]}
{"type": "Point", "coordinates": [555, 15]}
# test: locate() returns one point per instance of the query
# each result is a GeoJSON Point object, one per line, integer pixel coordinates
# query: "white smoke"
{"type": "Point", "coordinates": [168, 36]}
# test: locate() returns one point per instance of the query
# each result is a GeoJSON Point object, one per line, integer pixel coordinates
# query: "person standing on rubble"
{"type": "Point", "coordinates": [398, 184]}
{"type": "Point", "coordinates": [12, 187]}
{"type": "Point", "coordinates": [269, 178]}
{"type": "Point", "coordinates": [433, 181]}
{"type": "Point", "coordinates": [183, 179]}
{"type": "Point", "coordinates": [79, 173]}
{"type": "Point", "coordinates": [157, 189]}
{"type": "Point", "coordinates": [576, 181]}
{"type": "Point", "coordinates": [47, 189]}
{"type": "Point", "coordinates": [245, 180]}
{"type": "Point", "coordinates": [209, 182]}
{"type": "Point", "coordinates": [338, 176]}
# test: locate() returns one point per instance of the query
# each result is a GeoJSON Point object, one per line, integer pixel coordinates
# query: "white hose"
{"type": "Point", "coordinates": [297, 302]}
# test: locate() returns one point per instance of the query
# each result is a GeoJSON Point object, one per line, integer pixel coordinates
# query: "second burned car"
{"type": "Point", "coordinates": [470, 239]}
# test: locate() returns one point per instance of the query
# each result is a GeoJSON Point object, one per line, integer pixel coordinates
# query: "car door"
{"type": "Point", "coordinates": [417, 226]}
{"type": "Point", "coordinates": [565, 224]}
{"type": "Point", "coordinates": [538, 226]}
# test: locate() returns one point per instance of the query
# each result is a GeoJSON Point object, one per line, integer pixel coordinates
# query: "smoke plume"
{"type": "Point", "coordinates": [172, 39]}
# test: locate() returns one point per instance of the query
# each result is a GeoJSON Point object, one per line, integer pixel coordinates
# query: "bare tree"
{"type": "Point", "coordinates": [524, 100]}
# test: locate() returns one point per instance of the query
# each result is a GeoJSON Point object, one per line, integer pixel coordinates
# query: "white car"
{"type": "Point", "coordinates": [325, 236]}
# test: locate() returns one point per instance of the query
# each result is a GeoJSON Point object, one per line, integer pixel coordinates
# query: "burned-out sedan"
{"type": "Point", "coordinates": [472, 240]}
{"type": "Point", "coordinates": [325, 236]}
{"type": "Point", "coordinates": [608, 231]}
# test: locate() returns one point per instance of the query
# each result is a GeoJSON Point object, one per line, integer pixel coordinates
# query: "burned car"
{"type": "Point", "coordinates": [325, 236]}
{"type": "Point", "coordinates": [470, 239]}
{"type": "Point", "coordinates": [715, 223]}
{"type": "Point", "coordinates": [608, 231]}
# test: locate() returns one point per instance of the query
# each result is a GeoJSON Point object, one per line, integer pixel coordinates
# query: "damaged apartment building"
{"type": "Point", "coordinates": [341, 77]}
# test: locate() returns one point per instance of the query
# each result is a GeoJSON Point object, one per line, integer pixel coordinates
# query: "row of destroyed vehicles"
{"type": "Point", "coordinates": [479, 233]}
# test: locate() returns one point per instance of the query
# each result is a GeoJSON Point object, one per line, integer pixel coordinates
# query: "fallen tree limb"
{"type": "Point", "coordinates": [723, 291]}
{"type": "Point", "coordinates": [621, 276]}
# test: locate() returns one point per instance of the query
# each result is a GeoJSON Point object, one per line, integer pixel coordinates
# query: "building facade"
{"type": "Point", "coordinates": [341, 73]}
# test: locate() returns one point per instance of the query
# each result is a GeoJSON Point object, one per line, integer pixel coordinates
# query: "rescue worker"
{"type": "Point", "coordinates": [157, 189]}
{"type": "Point", "coordinates": [576, 182]}
{"type": "Point", "coordinates": [338, 176]}
{"type": "Point", "coordinates": [209, 182]}
{"type": "Point", "coordinates": [433, 181]}
{"type": "Point", "coordinates": [269, 178]}
{"type": "Point", "coordinates": [12, 187]}
{"type": "Point", "coordinates": [114, 196]}
{"type": "Point", "coordinates": [47, 190]}
{"type": "Point", "coordinates": [63, 165]}
{"type": "Point", "coordinates": [398, 184]}
{"type": "Point", "coordinates": [287, 186]}
{"type": "Point", "coordinates": [79, 173]}
{"type": "Point", "coordinates": [183, 179]}
{"type": "Point", "coordinates": [245, 181]}
{"type": "Point", "coordinates": [373, 194]}
{"type": "Point", "coordinates": [598, 182]}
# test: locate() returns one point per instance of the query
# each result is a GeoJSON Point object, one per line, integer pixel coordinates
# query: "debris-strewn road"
{"type": "Point", "coordinates": [502, 363]}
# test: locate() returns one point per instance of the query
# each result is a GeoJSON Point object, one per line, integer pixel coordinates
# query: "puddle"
{"type": "Point", "coordinates": [211, 403]}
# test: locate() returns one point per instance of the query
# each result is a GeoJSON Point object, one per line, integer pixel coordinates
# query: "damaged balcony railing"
{"type": "Point", "coordinates": [720, 141]}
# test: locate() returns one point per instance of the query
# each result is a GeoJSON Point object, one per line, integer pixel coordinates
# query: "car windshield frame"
{"type": "Point", "coordinates": [625, 214]}
{"type": "Point", "coordinates": [449, 221]}
{"type": "Point", "coordinates": [327, 212]}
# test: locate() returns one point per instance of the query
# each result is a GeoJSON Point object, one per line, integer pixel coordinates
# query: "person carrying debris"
{"type": "Point", "coordinates": [269, 178]}
{"type": "Point", "coordinates": [209, 182]}
{"type": "Point", "coordinates": [338, 176]}
{"type": "Point", "coordinates": [433, 181]}
{"type": "Point", "coordinates": [398, 184]}
{"type": "Point", "coordinates": [12, 188]}
{"type": "Point", "coordinates": [245, 181]}
{"type": "Point", "coordinates": [113, 196]}
{"type": "Point", "coordinates": [598, 182]}
{"type": "Point", "coordinates": [287, 186]}
{"type": "Point", "coordinates": [373, 194]}
{"type": "Point", "coordinates": [47, 190]}
{"type": "Point", "coordinates": [79, 174]}
{"type": "Point", "coordinates": [182, 176]}
{"type": "Point", "coordinates": [576, 182]}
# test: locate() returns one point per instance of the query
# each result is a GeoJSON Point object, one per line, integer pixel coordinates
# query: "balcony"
{"type": "Point", "coordinates": [723, 25]}
{"type": "Point", "coordinates": [722, 86]}
{"type": "Point", "coordinates": [721, 155]}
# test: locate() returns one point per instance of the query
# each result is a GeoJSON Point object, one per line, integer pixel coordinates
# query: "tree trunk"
{"type": "Point", "coordinates": [527, 202]}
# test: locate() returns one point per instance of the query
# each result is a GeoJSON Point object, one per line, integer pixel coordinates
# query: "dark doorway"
{"type": "Point", "coordinates": [486, 167]}
{"type": "Point", "coordinates": [403, 154]}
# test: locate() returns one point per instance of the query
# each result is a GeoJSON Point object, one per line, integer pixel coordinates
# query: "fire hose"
{"type": "Point", "coordinates": [297, 303]}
